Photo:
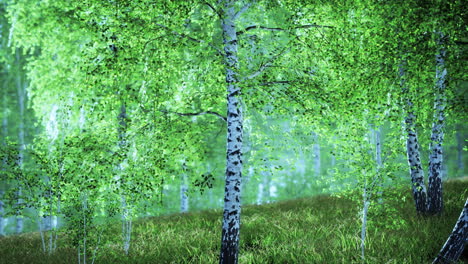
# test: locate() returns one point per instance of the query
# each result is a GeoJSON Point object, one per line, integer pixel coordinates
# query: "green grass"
{"type": "Point", "coordinates": [320, 229]}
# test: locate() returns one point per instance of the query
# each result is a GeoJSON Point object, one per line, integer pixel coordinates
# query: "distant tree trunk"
{"type": "Point", "coordinates": [412, 147]}
{"type": "Point", "coordinates": [123, 148]}
{"type": "Point", "coordinates": [213, 202]}
{"type": "Point", "coordinates": [333, 159]}
{"type": "Point", "coordinates": [82, 120]}
{"type": "Point", "coordinates": [434, 199]}
{"type": "Point", "coordinates": [460, 143]}
{"type": "Point", "coordinates": [365, 210]}
{"type": "Point", "coordinates": [126, 225]}
{"type": "Point", "coordinates": [4, 135]}
{"type": "Point", "coordinates": [263, 195]}
{"type": "Point", "coordinates": [232, 204]}
{"type": "Point", "coordinates": [21, 144]}
{"type": "Point", "coordinates": [184, 200]}
{"type": "Point", "coordinates": [2, 212]}
{"type": "Point", "coordinates": [316, 151]}
{"type": "Point", "coordinates": [378, 147]}
{"type": "Point", "coordinates": [378, 159]}
{"type": "Point", "coordinates": [453, 247]}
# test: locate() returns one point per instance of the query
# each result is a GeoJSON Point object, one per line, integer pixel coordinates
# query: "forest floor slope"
{"type": "Point", "coordinates": [321, 229]}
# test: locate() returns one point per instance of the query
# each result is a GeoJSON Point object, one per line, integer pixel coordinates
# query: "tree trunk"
{"type": "Point", "coordinates": [2, 218]}
{"type": "Point", "coordinates": [333, 160]}
{"type": "Point", "coordinates": [21, 100]}
{"type": "Point", "coordinates": [460, 164]}
{"type": "Point", "coordinates": [184, 200]}
{"type": "Point", "coordinates": [232, 195]}
{"type": "Point", "coordinates": [365, 210]}
{"type": "Point", "coordinates": [263, 195]}
{"type": "Point", "coordinates": [378, 147]}
{"type": "Point", "coordinates": [4, 134]}
{"type": "Point", "coordinates": [316, 156]}
{"type": "Point", "coordinates": [455, 243]}
{"type": "Point", "coordinates": [126, 225]}
{"type": "Point", "coordinates": [123, 148]}
{"type": "Point", "coordinates": [378, 159]}
{"type": "Point", "coordinates": [435, 201]}
{"type": "Point", "coordinates": [412, 148]}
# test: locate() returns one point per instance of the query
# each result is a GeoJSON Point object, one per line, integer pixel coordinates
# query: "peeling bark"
{"type": "Point", "coordinates": [434, 199]}
{"type": "Point", "coordinates": [453, 247]}
{"type": "Point", "coordinates": [232, 208]}
{"type": "Point", "coordinates": [412, 148]}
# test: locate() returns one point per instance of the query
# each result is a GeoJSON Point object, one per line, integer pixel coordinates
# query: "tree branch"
{"type": "Point", "coordinates": [264, 66]}
{"type": "Point", "coordinates": [212, 8]}
{"type": "Point", "coordinates": [460, 42]}
{"type": "Point", "coordinates": [189, 38]}
{"type": "Point", "coordinates": [195, 114]}
{"type": "Point", "coordinates": [274, 82]}
{"type": "Point", "coordinates": [281, 29]}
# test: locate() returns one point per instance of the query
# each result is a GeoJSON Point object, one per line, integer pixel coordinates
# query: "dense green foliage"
{"type": "Point", "coordinates": [116, 111]}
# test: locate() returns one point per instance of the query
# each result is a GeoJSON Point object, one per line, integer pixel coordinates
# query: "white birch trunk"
{"type": "Point", "coordinates": [126, 226]}
{"type": "Point", "coordinates": [412, 148]}
{"type": "Point", "coordinates": [123, 146]}
{"type": "Point", "coordinates": [21, 143]}
{"type": "Point", "coordinates": [434, 199]}
{"type": "Point", "coordinates": [453, 247]}
{"type": "Point", "coordinates": [333, 160]}
{"type": "Point", "coordinates": [5, 134]}
{"type": "Point", "coordinates": [316, 150]}
{"type": "Point", "coordinates": [263, 195]}
{"type": "Point", "coordinates": [184, 200]}
{"type": "Point", "coordinates": [365, 210]}
{"type": "Point", "coordinates": [84, 207]}
{"type": "Point", "coordinates": [378, 159]}
{"type": "Point", "coordinates": [2, 212]}
{"type": "Point", "coordinates": [232, 195]}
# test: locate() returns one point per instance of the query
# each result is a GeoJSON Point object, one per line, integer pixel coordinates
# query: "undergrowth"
{"type": "Point", "coordinates": [319, 229]}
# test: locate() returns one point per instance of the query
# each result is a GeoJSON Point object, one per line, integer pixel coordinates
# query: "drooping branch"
{"type": "Point", "coordinates": [281, 29]}
{"type": "Point", "coordinates": [212, 8]}
{"type": "Point", "coordinates": [195, 114]}
{"type": "Point", "coordinates": [181, 35]}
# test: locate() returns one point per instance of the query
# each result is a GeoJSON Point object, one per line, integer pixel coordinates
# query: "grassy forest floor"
{"type": "Point", "coordinates": [320, 229]}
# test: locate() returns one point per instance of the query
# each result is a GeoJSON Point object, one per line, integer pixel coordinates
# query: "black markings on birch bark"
{"type": "Point", "coordinates": [435, 201]}
{"type": "Point", "coordinates": [232, 209]}
{"type": "Point", "coordinates": [412, 147]}
{"type": "Point", "coordinates": [453, 247]}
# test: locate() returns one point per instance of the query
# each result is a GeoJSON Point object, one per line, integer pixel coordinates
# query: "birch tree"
{"type": "Point", "coordinates": [453, 247]}
{"type": "Point", "coordinates": [232, 208]}
{"type": "Point", "coordinates": [434, 201]}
